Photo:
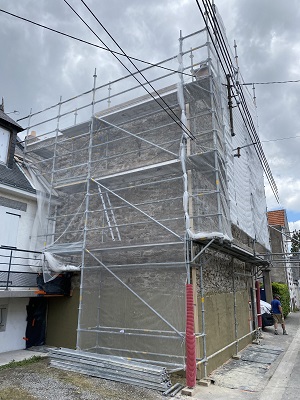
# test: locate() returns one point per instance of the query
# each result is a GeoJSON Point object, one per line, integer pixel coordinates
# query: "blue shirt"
{"type": "Point", "coordinates": [275, 306]}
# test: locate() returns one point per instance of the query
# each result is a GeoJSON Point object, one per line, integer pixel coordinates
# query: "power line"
{"type": "Point", "coordinates": [276, 140]}
{"type": "Point", "coordinates": [258, 148]}
{"type": "Point", "coordinates": [210, 15]}
{"type": "Point", "coordinates": [246, 115]}
{"type": "Point", "coordinates": [172, 113]}
{"type": "Point", "coordinates": [269, 83]}
{"type": "Point", "coordinates": [91, 44]}
{"type": "Point", "coordinates": [106, 48]}
{"type": "Point", "coordinates": [210, 35]}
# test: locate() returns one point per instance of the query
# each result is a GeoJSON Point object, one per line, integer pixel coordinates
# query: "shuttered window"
{"type": "Point", "coordinates": [4, 144]}
{"type": "Point", "coordinates": [9, 227]}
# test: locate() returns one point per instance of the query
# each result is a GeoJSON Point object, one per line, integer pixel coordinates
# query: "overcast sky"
{"type": "Point", "coordinates": [38, 66]}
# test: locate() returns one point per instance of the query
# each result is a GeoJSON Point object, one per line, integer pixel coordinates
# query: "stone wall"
{"type": "Point", "coordinates": [149, 257]}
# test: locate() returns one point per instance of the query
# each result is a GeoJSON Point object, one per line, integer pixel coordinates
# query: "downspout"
{"type": "Point", "coordinates": [259, 317]}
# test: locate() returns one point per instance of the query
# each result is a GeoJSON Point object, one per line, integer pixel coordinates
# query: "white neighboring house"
{"type": "Point", "coordinates": [17, 213]}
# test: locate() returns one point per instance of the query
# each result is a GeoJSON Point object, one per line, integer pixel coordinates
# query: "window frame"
{"type": "Point", "coordinates": [5, 130]}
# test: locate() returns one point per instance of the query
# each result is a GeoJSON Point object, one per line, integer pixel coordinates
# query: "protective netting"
{"type": "Point", "coordinates": [42, 233]}
{"type": "Point", "coordinates": [125, 186]}
{"type": "Point", "coordinates": [246, 182]}
{"type": "Point", "coordinates": [141, 318]}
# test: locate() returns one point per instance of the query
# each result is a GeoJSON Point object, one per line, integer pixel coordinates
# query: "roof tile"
{"type": "Point", "coordinates": [15, 178]}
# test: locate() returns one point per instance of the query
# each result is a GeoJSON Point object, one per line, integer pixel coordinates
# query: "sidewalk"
{"type": "Point", "coordinates": [266, 371]}
{"type": "Point", "coordinates": [19, 355]}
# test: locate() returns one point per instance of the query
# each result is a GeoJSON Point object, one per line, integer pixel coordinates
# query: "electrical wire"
{"type": "Point", "coordinates": [258, 148]}
{"type": "Point", "coordinates": [91, 44]}
{"type": "Point", "coordinates": [210, 35]}
{"type": "Point", "coordinates": [114, 53]}
{"type": "Point", "coordinates": [172, 114]}
{"type": "Point", "coordinates": [243, 107]}
{"type": "Point", "coordinates": [247, 116]}
{"type": "Point", "coordinates": [249, 122]}
{"type": "Point", "coordinates": [270, 83]}
{"type": "Point", "coordinates": [218, 34]}
{"type": "Point", "coordinates": [285, 138]}
{"type": "Point", "coordinates": [146, 62]}
{"type": "Point", "coordinates": [182, 126]}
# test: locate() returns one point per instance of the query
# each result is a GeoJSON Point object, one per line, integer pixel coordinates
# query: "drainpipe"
{"type": "Point", "coordinates": [190, 339]}
{"type": "Point", "coordinates": [259, 317]}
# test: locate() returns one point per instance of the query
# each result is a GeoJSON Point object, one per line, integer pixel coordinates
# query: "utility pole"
{"type": "Point", "coordinates": [230, 104]}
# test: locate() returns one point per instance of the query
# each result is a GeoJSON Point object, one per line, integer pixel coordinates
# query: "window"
{"type": "Point", "coordinates": [4, 144]}
{"type": "Point", "coordinates": [3, 316]}
{"type": "Point", "coordinates": [9, 227]}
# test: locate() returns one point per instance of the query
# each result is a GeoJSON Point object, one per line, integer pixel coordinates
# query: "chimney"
{"type": "Point", "coordinates": [2, 105]}
{"type": "Point", "coordinates": [32, 137]}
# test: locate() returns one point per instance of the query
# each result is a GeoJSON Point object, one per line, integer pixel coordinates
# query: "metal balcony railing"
{"type": "Point", "coordinates": [15, 268]}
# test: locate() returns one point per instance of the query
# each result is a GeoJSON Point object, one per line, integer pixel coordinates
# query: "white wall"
{"type": "Point", "coordinates": [16, 227]}
{"type": "Point", "coordinates": [12, 337]}
{"type": "Point", "coordinates": [15, 230]}
{"type": "Point", "coordinates": [26, 219]}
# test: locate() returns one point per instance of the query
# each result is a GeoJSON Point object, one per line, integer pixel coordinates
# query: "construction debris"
{"type": "Point", "coordinates": [112, 368]}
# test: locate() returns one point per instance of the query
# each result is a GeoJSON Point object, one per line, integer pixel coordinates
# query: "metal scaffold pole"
{"type": "Point", "coordinates": [191, 367]}
{"type": "Point", "coordinates": [140, 195]}
{"type": "Point", "coordinates": [52, 176]}
{"type": "Point", "coordinates": [27, 135]}
{"type": "Point", "coordinates": [214, 130]}
{"type": "Point", "coordinates": [235, 308]}
{"type": "Point", "coordinates": [86, 212]}
{"type": "Point", "coordinates": [202, 264]}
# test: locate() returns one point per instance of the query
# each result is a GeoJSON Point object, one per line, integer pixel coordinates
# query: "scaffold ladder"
{"type": "Point", "coordinates": [109, 214]}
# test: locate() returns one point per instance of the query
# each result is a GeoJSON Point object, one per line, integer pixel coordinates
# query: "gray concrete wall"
{"type": "Point", "coordinates": [220, 328]}
{"type": "Point", "coordinates": [62, 318]}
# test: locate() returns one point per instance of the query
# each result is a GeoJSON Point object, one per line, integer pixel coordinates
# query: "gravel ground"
{"type": "Point", "coordinates": [40, 381]}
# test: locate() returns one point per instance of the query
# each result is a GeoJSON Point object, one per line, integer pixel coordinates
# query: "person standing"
{"type": "Point", "coordinates": [277, 314]}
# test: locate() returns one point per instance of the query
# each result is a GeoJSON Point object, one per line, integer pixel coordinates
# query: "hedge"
{"type": "Point", "coordinates": [283, 291]}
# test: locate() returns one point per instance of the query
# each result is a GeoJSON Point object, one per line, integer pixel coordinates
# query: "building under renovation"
{"type": "Point", "coordinates": [154, 203]}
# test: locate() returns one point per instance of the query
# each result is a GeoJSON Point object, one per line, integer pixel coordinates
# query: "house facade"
{"type": "Point", "coordinates": [17, 213]}
{"type": "Point", "coordinates": [148, 199]}
{"type": "Point", "coordinates": [25, 294]}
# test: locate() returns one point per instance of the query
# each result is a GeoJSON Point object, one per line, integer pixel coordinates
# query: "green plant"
{"type": "Point", "coordinates": [283, 291]}
{"type": "Point", "coordinates": [27, 361]}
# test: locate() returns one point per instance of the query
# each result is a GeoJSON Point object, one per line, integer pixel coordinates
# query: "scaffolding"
{"type": "Point", "coordinates": [136, 201]}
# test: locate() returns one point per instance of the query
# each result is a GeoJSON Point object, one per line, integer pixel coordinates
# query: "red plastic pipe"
{"type": "Point", "coordinates": [259, 317]}
{"type": "Point", "coordinates": [191, 367]}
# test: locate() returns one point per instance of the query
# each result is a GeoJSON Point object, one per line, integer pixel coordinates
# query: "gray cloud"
{"type": "Point", "coordinates": [40, 65]}
{"type": "Point", "coordinates": [267, 33]}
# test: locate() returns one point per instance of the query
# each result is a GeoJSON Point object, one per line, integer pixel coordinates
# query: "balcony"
{"type": "Point", "coordinates": [17, 278]}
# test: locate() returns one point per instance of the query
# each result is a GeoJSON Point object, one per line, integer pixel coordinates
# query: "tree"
{"type": "Point", "coordinates": [295, 242]}
{"type": "Point", "coordinates": [283, 291]}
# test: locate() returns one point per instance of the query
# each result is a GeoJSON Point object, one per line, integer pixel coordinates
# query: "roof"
{"type": "Point", "coordinates": [15, 178]}
{"type": "Point", "coordinates": [7, 119]}
{"type": "Point", "coordinates": [277, 217]}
